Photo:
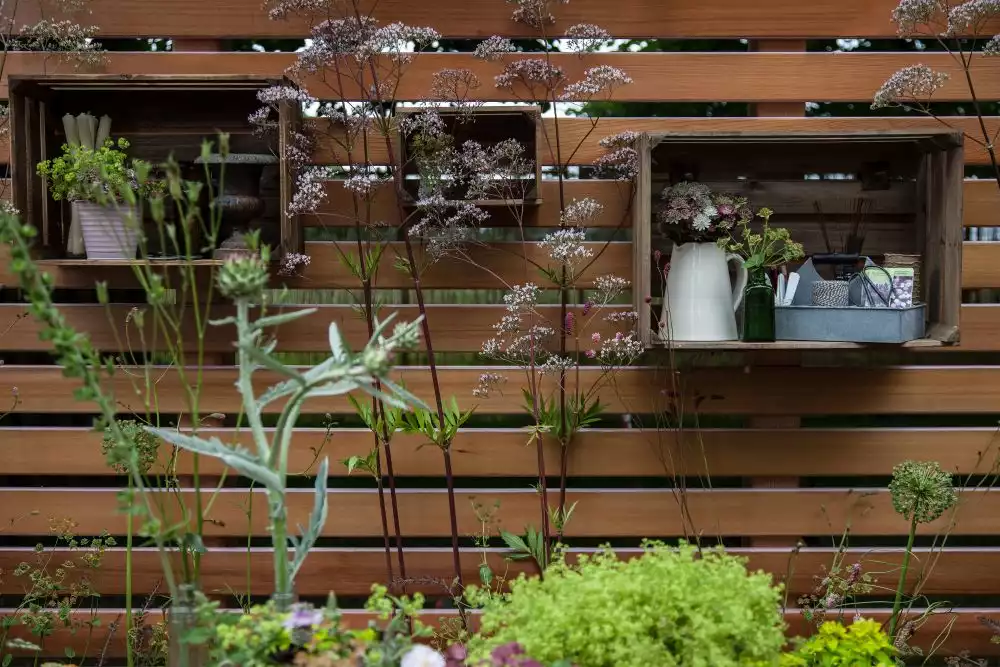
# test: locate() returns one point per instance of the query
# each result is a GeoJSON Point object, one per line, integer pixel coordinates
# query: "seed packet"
{"type": "Point", "coordinates": [902, 287]}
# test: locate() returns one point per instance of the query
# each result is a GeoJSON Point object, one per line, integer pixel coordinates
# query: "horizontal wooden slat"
{"type": "Point", "coordinates": [595, 453]}
{"type": "Point", "coordinates": [497, 265]}
{"type": "Point", "coordinates": [599, 513]}
{"type": "Point", "coordinates": [579, 138]}
{"type": "Point", "coordinates": [458, 328]}
{"type": "Point", "coordinates": [351, 572]}
{"type": "Point", "coordinates": [948, 632]}
{"type": "Point", "coordinates": [756, 391]}
{"type": "Point", "coordinates": [676, 76]}
{"type": "Point", "coordinates": [634, 18]}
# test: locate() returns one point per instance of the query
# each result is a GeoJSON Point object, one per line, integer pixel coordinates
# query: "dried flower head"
{"type": "Point", "coordinates": [292, 264]}
{"type": "Point", "coordinates": [282, 9]}
{"type": "Point", "coordinates": [609, 287]}
{"type": "Point", "coordinates": [921, 491]}
{"type": "Point", "coordinates": [488, 382]}
{"type": "Point", "coordinates": [597, 81]}
{"type": "Point", "coordinates": [532, 73]}
{"type": "Point", "coordinates": [916, 83]}
{"type": "Point", "coordinates": [534, 13]}
{"type": "Point", "coordinates": [581, 212]}
{"type": "Point", "coordinates": [970, 17]}
{"type": "Point", "coordinates": [310, 192]}
{"type": "Point", "coordinates": [455, 86]}
{"type": "Point", "coordinates": [494, 48]}
{"type": "Point", "coordinates": [444, 226]}
{"type": "Point", "coordinates": [66, 37]}
{"type": "Point", "coordinates": [585, 37]}
{"type": "Point", "coordinates": [911, 14]}
{"type": "Point", "coordinates": [363, 185]}
{"type": "Point", "coordinates": [567, 245]}
{"type": "Point", "coordinates": [624, 139]}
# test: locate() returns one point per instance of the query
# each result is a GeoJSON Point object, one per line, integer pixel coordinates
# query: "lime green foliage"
{"type": "Point", "coordinates": [669, 607]}
{"type": "Point", "coordinates": [772, 247]}
{"type": "Point", "coordinates": [91, 175]}
{"type": "Point", "coordinates": [266, 636]}
{"type": "Point", "coordinates": [862, 644]}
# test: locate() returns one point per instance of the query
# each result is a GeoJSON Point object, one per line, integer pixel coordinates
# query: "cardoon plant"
{"type": "Point", "coordinates": [244, 281]}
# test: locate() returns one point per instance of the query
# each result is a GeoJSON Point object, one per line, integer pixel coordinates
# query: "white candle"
{"type": "Point", "coordinates": [69, 125]}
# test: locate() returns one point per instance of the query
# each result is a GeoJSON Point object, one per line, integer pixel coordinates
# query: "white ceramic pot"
{"type": "Point", "coordinates": [700, 304]}
{"type": "Point", "coordinates": [109, 232]}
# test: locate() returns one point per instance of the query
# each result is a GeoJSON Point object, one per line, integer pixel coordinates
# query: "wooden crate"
{"type": "Point", "coordinates": [913, 180]}
{"type": "Point", "coordinates": [160, 116]}
{"type": "Point", "coordinates": [487, 125]}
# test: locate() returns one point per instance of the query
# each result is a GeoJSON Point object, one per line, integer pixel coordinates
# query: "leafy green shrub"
{"type": "Point", "coordinates": [862, 644]}
{"type": "Point", "coordinates": [81, 173]}
{"type": "Point", "coordinates": [669, 607]}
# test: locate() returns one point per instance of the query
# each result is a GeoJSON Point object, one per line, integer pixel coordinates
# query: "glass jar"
{"type": "Point", "coordinates": [758, 308]}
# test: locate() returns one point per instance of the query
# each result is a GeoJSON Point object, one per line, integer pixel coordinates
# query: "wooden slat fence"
{"type": "Point", "coordinates": [794, 446]}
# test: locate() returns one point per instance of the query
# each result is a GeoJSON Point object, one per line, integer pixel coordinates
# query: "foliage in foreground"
{"type": "Point", "coordinates": [862, 644]}
{"type": "Point", "coordinates": [668, 607]}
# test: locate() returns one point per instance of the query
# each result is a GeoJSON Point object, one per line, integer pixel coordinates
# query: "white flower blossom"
{"type": "Point", "coordinates": [555, 365]}
{"type": "Point", "coordinates": [600, 80]}
{"type": "Point", "coordinates": [916, 83]}
{"type": "Point", "coordinates": [970, 16]}
{"type": "Point", "coordinates": [610, 286]}
{"type": "Point", "coordinates": [621, 350]}
{"type": "Point", "coordinates": [363, 185]}
{"type": "Point", "coordinates": [581, 212]}
{"type": "Point", "coordinates": [494, 48]}
{"type": "Point", "coordinates": [585, 37]}
{"type": "Point", "coordinates": [567, 245]}
{"type": "Point", "coordinates": [421, 655]}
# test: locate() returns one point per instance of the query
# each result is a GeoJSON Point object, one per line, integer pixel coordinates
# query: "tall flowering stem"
{"type": "Point", "coordinates": [959, 27]}
{"type": "Point", "coordinates": [537, 79]}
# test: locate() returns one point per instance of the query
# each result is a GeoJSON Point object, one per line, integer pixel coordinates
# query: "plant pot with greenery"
{"type": "Point", "coordinates": [102, 186]}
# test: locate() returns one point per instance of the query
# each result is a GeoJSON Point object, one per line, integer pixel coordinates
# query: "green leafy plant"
{"type": "Point", "coordinates": [244, 279]}
{"type": "Point", "coordinates": [772, 247]}
{"type": "Point", "coordinates": [82, 173]}
{"type": "Point", "coordinates": [308, 636]}
{"type": "Point", "coordinates": [861, 644]}
{"type": "Point", "coordinates": [56, 591]}
{"type": "Point", "coordinates": [667, 607]}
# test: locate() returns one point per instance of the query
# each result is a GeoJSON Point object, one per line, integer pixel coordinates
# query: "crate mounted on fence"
{"type": "Point", "coordinates": [159, 116]}
{"type": "Point", "coordinates": [515, 181]}
{"type": "Point", "coordinates": [851, 199]}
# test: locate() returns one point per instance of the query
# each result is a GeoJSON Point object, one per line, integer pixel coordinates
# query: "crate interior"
{"type": "Point", "coordinates": [157, 121]}
{"type": "Point", "coordinates": [822, 189]}
{"type": "Point", "coordinates": [489, 128]}
{"type": "Point", "coordinates": [810, 187]}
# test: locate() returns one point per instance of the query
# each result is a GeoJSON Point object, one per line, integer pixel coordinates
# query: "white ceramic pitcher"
{"type": "Point", "coordinates": [701, 303]}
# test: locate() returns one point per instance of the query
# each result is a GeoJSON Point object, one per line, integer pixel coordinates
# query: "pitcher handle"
{"type": "Point", "coordinates": [741, 279]}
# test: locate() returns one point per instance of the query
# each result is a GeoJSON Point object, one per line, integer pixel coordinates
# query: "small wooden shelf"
{"type": "Point", "coordinates": [110, 263]}
{"type": "Point", "coordinates": [738, 346]}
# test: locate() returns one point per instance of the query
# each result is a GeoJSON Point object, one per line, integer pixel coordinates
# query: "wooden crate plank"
{"type": "Point", "coordinates": [980, 264]}
{"type": "Point", "coordinates": [595, 453]}
{"type": "Point", "coordinates": [674, 76]}
{"type": "Point", "coordinates": [600, 513]}
{"type": "Point", "coordinates": [757, 391]}
{"type": "Point", "coordinates": [948, 631]}
{"type": "Point", "coordinates": [352, 571]}
{"type": "Point", "coordinates": [461, 328]}
{"type": "Point", "coordinates": [722, 19]}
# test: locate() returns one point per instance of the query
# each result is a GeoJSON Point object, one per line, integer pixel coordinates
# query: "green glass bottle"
{"type": "Point", "coordinates": [758, 308]}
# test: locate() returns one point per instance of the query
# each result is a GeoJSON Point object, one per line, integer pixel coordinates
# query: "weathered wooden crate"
{"type": "Point", "coordinates": [913, 181]}
{"type": "Point", "coordinates": [160, 116]}
{"type": "Point", "coordinates": [487, 125]}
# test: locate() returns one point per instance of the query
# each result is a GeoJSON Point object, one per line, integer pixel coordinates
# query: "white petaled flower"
{"type": "Point", "coordinates": [610, 286]}
{"type": "Point", "coordinates": [585, 37]}
{"type": "Point", "coordinates": [555, 365]}
{"type": "Point", "coordinates": [596, 81]}
{"type": "Point", "coordinates": [970, 16]}
{"type": "Point", "coordinates": [620, 163]}
{"type": "Point", "coordinates": [622, 317]}
{"type": "Point", "coordinates": [581, 213]}
{"type": "Point", "coordinates": [487, 383]}
{"type": "Point", "coordinates": [566, 245]}
{"type": "Point", "coordinates": [530, 72]}
{"type": "Point", "coordinates": [420, 655]}
{"type": "Point", "coordinates": [276, 94]}
{"type": "Point", "coordinates": [362, 185]}
{"type": "Point", "coordinates": [521, 298]}
{"type": "Point", "coordinates": [911, 14]}
{"type": "Point", "coordinates": [621, 350]}
{"type": "Point", "coordinates": [494, 48]}
{"type": "Point", "coordinates": [621, 140]}
{"type": "Point", "coordinates": [309, 193]}
{"type": "Point", "coordinates": [916, 83]}
{"type": "Point", "coordinates": [992, 47]}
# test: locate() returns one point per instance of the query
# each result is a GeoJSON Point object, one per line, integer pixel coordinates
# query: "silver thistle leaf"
{"type": "Point", "coordinates": [236, 458]}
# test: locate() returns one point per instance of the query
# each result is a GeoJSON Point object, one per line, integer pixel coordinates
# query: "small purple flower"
{"type": "Point", "coordinates": [586, 307]}
{"type": "Point", "coordinates": [591, 354]}
{"type": "Point", "coordinates": [303, 617]}
{"type": "Point", "coordinates": [570, 321]}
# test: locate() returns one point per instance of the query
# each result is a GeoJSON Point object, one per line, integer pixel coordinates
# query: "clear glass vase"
{"type": "Point", "coordinates": [183, 616]}
{"type": "Point", "coordinates": [758, 308]}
